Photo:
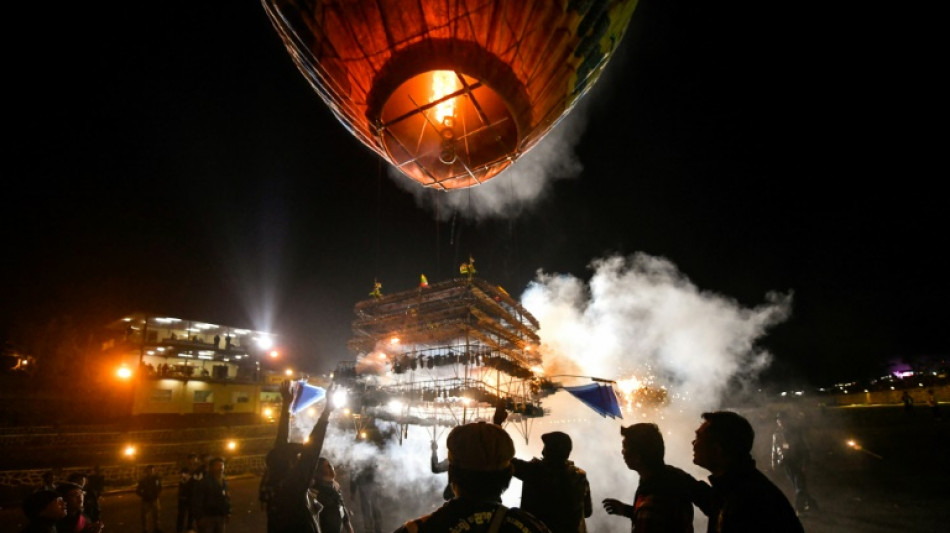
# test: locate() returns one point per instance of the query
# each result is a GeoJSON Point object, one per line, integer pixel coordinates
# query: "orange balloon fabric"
{"type": "Point", "coordinates": [451, 92]}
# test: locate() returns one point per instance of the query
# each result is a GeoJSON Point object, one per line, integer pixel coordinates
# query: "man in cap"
{"type": "Point", "coordinates": [741, 498]}
{"type": "Point", "coordinates": [663, 501]}
{"type": "Point", "coordinates": [76, 520]}
{"type": "Point", "coordinates": [480, 471]}
{"type": "Point", "coordinates": [43, 509]}
{"type": "Point", "coordinates": [553, 489]}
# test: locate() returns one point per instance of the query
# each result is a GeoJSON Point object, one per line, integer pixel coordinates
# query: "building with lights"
{"type": "Point", "coordinates": [171, 366]}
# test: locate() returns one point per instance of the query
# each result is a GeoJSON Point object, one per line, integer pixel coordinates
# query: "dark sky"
{"type": "Point", "coordinates": [169, 157]}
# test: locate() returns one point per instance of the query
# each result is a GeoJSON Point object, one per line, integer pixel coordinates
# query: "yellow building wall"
{"type": "Point", "coordinates": [173, 396]}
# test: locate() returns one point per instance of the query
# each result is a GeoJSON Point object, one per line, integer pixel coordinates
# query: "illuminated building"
{"type": "Point", "coordinates": [180, 367]}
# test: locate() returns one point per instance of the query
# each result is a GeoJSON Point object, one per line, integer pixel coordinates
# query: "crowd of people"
{"type": "Point", "coordinates": [299, 491]}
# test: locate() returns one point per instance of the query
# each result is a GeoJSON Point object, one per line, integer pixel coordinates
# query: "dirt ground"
{"type": "Point", "coordinates": [896, 482]}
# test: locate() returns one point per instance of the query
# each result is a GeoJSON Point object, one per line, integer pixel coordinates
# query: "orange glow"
{"type": "Point", "coordinates": [232, 445]}
{"type": "Point", "coordinates": [129, 451]}
{"type": "Point", "coordinates": [457, 143]}
{"type": "Point", "coordinates": [123, 372]}
{"type": "Point", "coordinates": [274, 354]}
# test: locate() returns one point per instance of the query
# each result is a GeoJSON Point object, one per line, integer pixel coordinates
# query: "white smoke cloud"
{"type": "Point", "coordinates": [636, 315]}
{"type": "Point", "coordinates": [517, 187]}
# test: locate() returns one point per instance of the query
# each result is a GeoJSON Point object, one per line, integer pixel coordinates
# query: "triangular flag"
{"type": "Point", "coordinates": [600, 398]}
{"type": "Point", "coordinates": [307, 395]}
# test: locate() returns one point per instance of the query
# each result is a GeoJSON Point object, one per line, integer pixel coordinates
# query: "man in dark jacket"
{"type": "Point", "coordinates": [295, 509]}
{"type": "Point", "coordinates": [187, 479]}
{"type": "Point", "coordinates": [149, 489]}
{"type": "Point", "coordinates": [663, 502]}
{"type": "Point", "coordinates": [742, 498]}
{"type": "Point", "coordinates": [334, 517]}
{"type": "Point", "coordinates": [553, 489]}
{"type": "Point", "coordinates": [211, 501]}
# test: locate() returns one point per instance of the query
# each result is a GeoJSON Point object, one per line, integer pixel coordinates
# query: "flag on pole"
{"type": "Point", "coordinates": [598, 396]}
{"type": "Point", "coordinates": [307, 395]}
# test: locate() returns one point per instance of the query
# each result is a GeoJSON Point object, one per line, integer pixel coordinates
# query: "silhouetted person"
{"type": "Point", "coordinates": [75, 521]}
{"type": "Point", "coordinates": [279, 460]}
{"type": "Point", "coordinates": [297, 509]}
{"type": "Point", "coordinates": [363, 485]}
{"type": "Point", "coordinates": [480, 471]}
{"type": "Point", "coordinates": [908, 402]}
{"type": "Point", "coordinates": [742, 499]}
{"type": "Point", "coordinates": [437, 466]}
{"type": "Point", "coordinates": [188, 477]}
{"type": "Point", "coordinates": [211, 502]}
{"type": "Point", "coordinates": [48, 481]}
{"type": "Point", "coordinates": [663, 501]}
{"type": "Point", "coordinates": [43, 508]}
{"type": "Point", "coordinates": [933, 403]}
{"type": "Point", "coordinates": [553, 489]}
{"type": "Point", "coordinates": [790, 451]}
{"type": "Point", "coordinates": [148, 489]}
{"type": "Point", "coordinates": [95, 486]}
{"type": "Point", "coordinates": [334, 517]}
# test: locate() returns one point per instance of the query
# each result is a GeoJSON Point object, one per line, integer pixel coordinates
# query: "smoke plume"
{"type": "Point", "coordinates": [637, 317]}
{"type": "Point", "coordinates": [517, 187]}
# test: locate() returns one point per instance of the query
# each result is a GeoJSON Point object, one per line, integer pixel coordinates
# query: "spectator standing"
{"type": "Point", "coordinates": [95, 486]}
{"type": "Point", "coordinates": [149, 489]}
{"type": "Point", "coordinates": [43, 508]}
{"type": "Point", "coordinates": [663, 501]}
{"type": "Point", "coordinates": [553, 489]}
{"type": "Point", "coordinates": [908, 402]}
{"type": "Point", "coordinates": [299, 510]}
{"type": "Point", "coordinates": [48, 482]}
{"type": "Point", "coordinates": [363, 485]}
{"type": "Point", "coordinates": [790, 451]}
{"type": "Point", "coordinates": [184, 518]}
{"type": "Point", "coordinates": [741, 498]}
{"type": "Point", "coordinates": [211, 502]}
{"type": "Point", "coordinates": [480, 471]}
{"type": "Point", "coordinates": [334, 517]}
{"type": "Point", "coordinates": [933, 403]}
{"type": "Point", "coordinates": [279, 460]}
{"type": "Point", "coordinates": [75, 521]}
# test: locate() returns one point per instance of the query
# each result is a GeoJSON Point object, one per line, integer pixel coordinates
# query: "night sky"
{"type": "Point", "coordinates": [170, 158]}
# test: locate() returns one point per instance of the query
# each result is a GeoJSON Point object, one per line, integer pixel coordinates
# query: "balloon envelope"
{"type": "Point", "coordinates": [450, 92]}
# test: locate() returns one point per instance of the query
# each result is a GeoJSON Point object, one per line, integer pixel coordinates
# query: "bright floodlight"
{"type": "Point", "coordinates": [123, 372]}
{"type": "Point", "coordinates": [274, 354]}
{"type": "Point", "coordinates": [129, 451]}
{"type": "Point", "coordinates": [265, 342]}
{"type": "Point", "coordinates": [232, 445]}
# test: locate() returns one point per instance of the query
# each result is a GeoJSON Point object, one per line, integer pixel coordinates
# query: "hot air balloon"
{"type": "Point", "coordinates": [450, 92]}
